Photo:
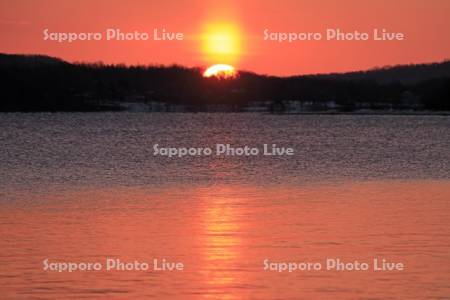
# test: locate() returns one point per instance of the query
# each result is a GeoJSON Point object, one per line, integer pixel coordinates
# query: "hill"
{"type": "Point", "coordinates": [28, 60]}
{"type": "Point", "coordinates": [42, 83]}
{"type": "Point", "coordinates": [405, 74]}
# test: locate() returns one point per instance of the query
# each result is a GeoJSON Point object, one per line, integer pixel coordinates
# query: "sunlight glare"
{"type": "Point", "coordinates": [220, 71]}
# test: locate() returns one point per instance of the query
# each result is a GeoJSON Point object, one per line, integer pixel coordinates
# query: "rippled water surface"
{"type": "Point", "coordinates": [87, 187]}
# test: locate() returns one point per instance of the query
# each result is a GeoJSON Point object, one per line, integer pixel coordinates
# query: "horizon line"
{"type": "Point", "coordinates": [155, 65]}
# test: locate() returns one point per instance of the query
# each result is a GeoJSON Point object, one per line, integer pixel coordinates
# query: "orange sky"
{"type": "Point", "coordinates": [425, 23]}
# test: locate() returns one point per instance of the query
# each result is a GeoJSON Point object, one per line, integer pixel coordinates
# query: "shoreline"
{"type": "Point", "coordinates": [356, 113]}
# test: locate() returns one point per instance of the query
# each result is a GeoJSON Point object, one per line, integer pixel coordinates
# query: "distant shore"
{"type": "Point", "coordinates": [42, 83]}
{"type": "Point", "coordinates": [330, 113]}
{"type": "Point", "coordinates": [374, 112]}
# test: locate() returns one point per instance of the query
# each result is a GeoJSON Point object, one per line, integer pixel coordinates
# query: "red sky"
{"type": "Point", "coordinates": [425, 23]}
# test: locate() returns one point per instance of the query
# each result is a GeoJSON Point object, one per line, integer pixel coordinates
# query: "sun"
{"type": "Point", "coordinates": [220, 71]}
{"type": "Point", "coordinates": [221, 42]}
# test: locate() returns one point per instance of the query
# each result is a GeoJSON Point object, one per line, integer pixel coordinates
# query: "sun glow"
{"type": "Point", "coordinates": [220, 71]}
{"type": "Point", "coordinates": [221, 42]}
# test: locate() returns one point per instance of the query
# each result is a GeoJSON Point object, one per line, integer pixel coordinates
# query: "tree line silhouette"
{"type": "Point", "coordinates": [42, 83]}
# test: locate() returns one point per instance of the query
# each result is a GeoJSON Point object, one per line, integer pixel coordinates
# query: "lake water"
{"type": "Point", "coordinates": [86, 187]}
